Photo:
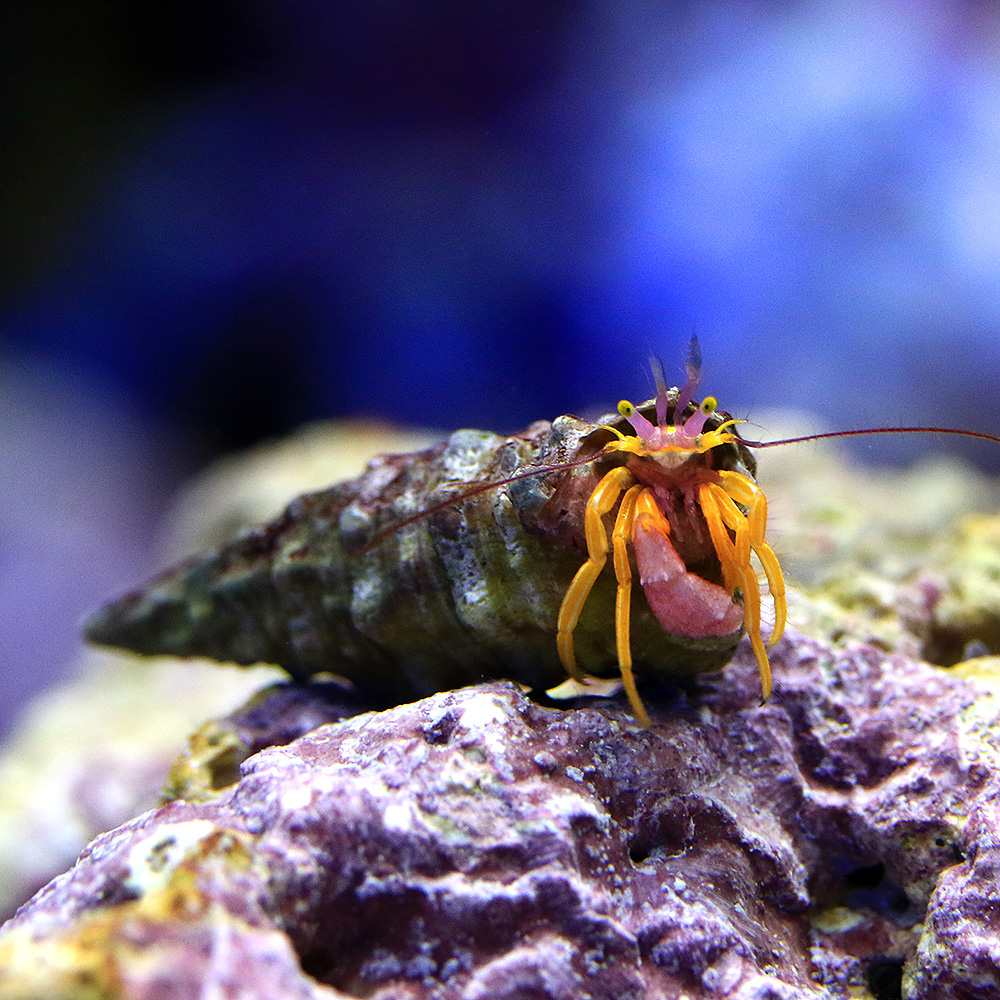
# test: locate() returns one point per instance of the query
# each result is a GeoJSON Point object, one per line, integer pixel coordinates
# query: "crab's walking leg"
{"type": "Point", "coordinates": [620, 536]}
{"type": "Point", "coordinates": [604, 497]}
{"type": "Point", "coordinates": [748, 493]}
{"type": "Point", "coordinates": [723, 544]}
{"type": "Point", "coordinates": [734, 555]}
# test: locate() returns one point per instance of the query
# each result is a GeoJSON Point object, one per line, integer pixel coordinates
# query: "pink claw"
{"type": "Point", "coordinates": [683, 603]}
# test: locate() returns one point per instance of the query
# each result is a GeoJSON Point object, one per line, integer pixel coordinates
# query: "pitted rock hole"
{"type": "Point", "coordinates": [438, 732]}
{"type": "Point", "coordinates": [884, 978]}
{"type": "Point", "coordinates": [870, 888]}
{"type": "Point", "coordinates": [668, 834]}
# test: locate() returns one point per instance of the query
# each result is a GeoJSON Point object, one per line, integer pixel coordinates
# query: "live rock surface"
{"type": "Point", "coordinates": [837, 841]}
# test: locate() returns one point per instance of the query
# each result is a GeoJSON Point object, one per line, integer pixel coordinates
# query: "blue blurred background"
{"type": "Point", "coordinates": [225, 218]}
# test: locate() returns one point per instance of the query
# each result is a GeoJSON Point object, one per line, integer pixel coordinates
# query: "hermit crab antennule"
{"type": "Point", "coordinates": [693, 368]}
{"type": "Point", "coordinates": [662, 397]}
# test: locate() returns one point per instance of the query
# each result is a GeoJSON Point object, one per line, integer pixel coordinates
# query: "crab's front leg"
{"type": "Point", "coordinates": [601, 501]}
{"type": "Point", "coordinates": [620, 537]}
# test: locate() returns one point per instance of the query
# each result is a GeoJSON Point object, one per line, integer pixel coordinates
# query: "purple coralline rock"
{"type": "Point", "coordinates": [275, 716]}
{"type": "Point", "coordinates": [839, 841]}
{"type": "Point", "coordinates": [959, 953]}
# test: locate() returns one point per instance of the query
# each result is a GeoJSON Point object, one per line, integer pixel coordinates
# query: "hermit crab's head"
{"type": "Point", "coordinates": [680, 428]}
{"type": "Point", "coordinates": [672, 444]}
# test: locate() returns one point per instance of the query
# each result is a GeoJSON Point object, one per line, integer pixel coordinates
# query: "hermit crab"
{"type": "Point", "coordinates": [669, 494]}
{"type": "Point", "coordinates": [486, 556]}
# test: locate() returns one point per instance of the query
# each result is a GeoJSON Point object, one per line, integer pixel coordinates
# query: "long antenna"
{"type": "Point", "coordinates": [873, 430]}
{"type": "Point", "coordinates": [473, 492]}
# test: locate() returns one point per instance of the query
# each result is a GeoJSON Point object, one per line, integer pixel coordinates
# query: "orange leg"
{"type": "Point", "coordinates": [604, 497]}
{"type": "Point", "coordinates": [723, 544]}
{"type": "Point", "coordinates": [748, 493]}
{"type": "Point", "coordinates": [620, 535]}
{"type": "Point", "coordinates": [732, 517]}
{"type": "Point", "coordinates": [734, 554]}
